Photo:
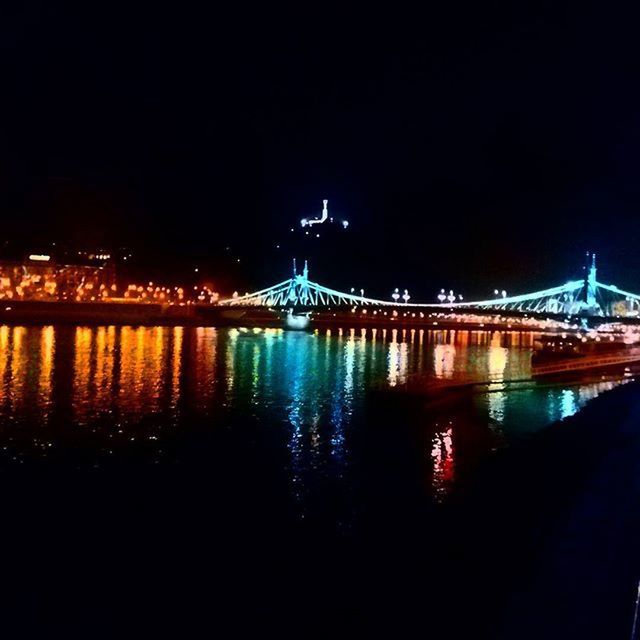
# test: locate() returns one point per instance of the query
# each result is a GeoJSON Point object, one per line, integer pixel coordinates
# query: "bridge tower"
{"type": "Point", "coordinates": [591, 286]}
{"type": "Point", "coordinates": [592, 283]}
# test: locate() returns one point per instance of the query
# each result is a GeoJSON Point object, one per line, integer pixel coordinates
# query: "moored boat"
{"type": "Point", "coordinates": [562, 353]}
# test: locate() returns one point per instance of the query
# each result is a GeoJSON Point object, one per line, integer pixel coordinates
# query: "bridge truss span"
{"type": "Point", "coordinates": [560, 299]}
{"type": "Point", "coordinates": [577, 297]}
{"type": "Point", "coordinates": [299, 291]}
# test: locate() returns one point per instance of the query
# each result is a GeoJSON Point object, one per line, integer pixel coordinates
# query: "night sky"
{"type": "Point", "coordinates": [471, 145]}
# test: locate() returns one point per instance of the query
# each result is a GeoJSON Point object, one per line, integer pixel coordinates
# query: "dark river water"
{"type": "Point", "coordinates": [286, 437]}
{"type": "Point", "coordinates": [119, 390]}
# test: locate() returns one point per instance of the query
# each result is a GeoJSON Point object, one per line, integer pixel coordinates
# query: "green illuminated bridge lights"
{"type": "Point", "coordinates": [586, 297]}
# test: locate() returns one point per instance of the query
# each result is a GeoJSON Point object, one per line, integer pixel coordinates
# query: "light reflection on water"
{"type": "Point", "coordinates": [307, 392]}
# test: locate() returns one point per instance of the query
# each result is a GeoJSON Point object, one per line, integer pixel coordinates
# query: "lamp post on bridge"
{"type": "Point", "coordinates": [395, 295]}
{"type": "Point", "coordinates": [406, 297]}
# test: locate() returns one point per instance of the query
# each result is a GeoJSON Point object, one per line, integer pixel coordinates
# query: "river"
{"type": "Point", "coordinates": [258, 437]}
{"type": "Point", "coordinates": [127, 389]}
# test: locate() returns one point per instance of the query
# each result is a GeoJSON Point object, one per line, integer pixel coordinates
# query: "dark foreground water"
{"type": "Point", "coordinates": [187, 477]}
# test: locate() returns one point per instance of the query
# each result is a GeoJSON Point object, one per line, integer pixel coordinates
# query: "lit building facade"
{"type": "Point", "coordinates": [41, 277]}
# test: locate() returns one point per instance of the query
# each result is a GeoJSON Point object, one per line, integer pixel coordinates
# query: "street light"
{"type": "Point", "coordinates": [442, 296]}
{"type": "Point", "coordinates": [406, 297]}
{"type": "Point", "coordinates": [451, 297]}
{"type": "Point", "coordinates": [395, 295]}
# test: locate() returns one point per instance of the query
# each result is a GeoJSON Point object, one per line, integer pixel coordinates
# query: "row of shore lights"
{"type": "Point", "coordinates": [396, 294]}
{"type": "Point", "coordinates": [450, 297]}
{"type": "Point", "coordinates": [443, 296]}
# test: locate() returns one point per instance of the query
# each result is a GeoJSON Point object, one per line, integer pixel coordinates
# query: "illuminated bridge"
{"type": "Point", "coordinates": [586, 297]}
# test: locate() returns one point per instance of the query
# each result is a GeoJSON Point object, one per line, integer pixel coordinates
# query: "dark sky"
{"type": "Point", "coordinates": [471, 145]}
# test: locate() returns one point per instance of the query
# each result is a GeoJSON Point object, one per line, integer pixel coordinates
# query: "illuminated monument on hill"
{"type": "Point", "coordinates": [309, 222]}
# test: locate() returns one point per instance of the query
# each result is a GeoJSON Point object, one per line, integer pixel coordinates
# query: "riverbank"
{"type": "Point", "coordinates": [124, 313]}
{"type": "Point", "coordinates": [546, 538]}
{"type": "Point", "coordinates": [539, 542]}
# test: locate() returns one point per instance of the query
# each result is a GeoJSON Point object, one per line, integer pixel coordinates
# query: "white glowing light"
{"type": "Point", "coordinates": [39, 257]}
{"type": "Point", "coordinates": [325, 215]}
